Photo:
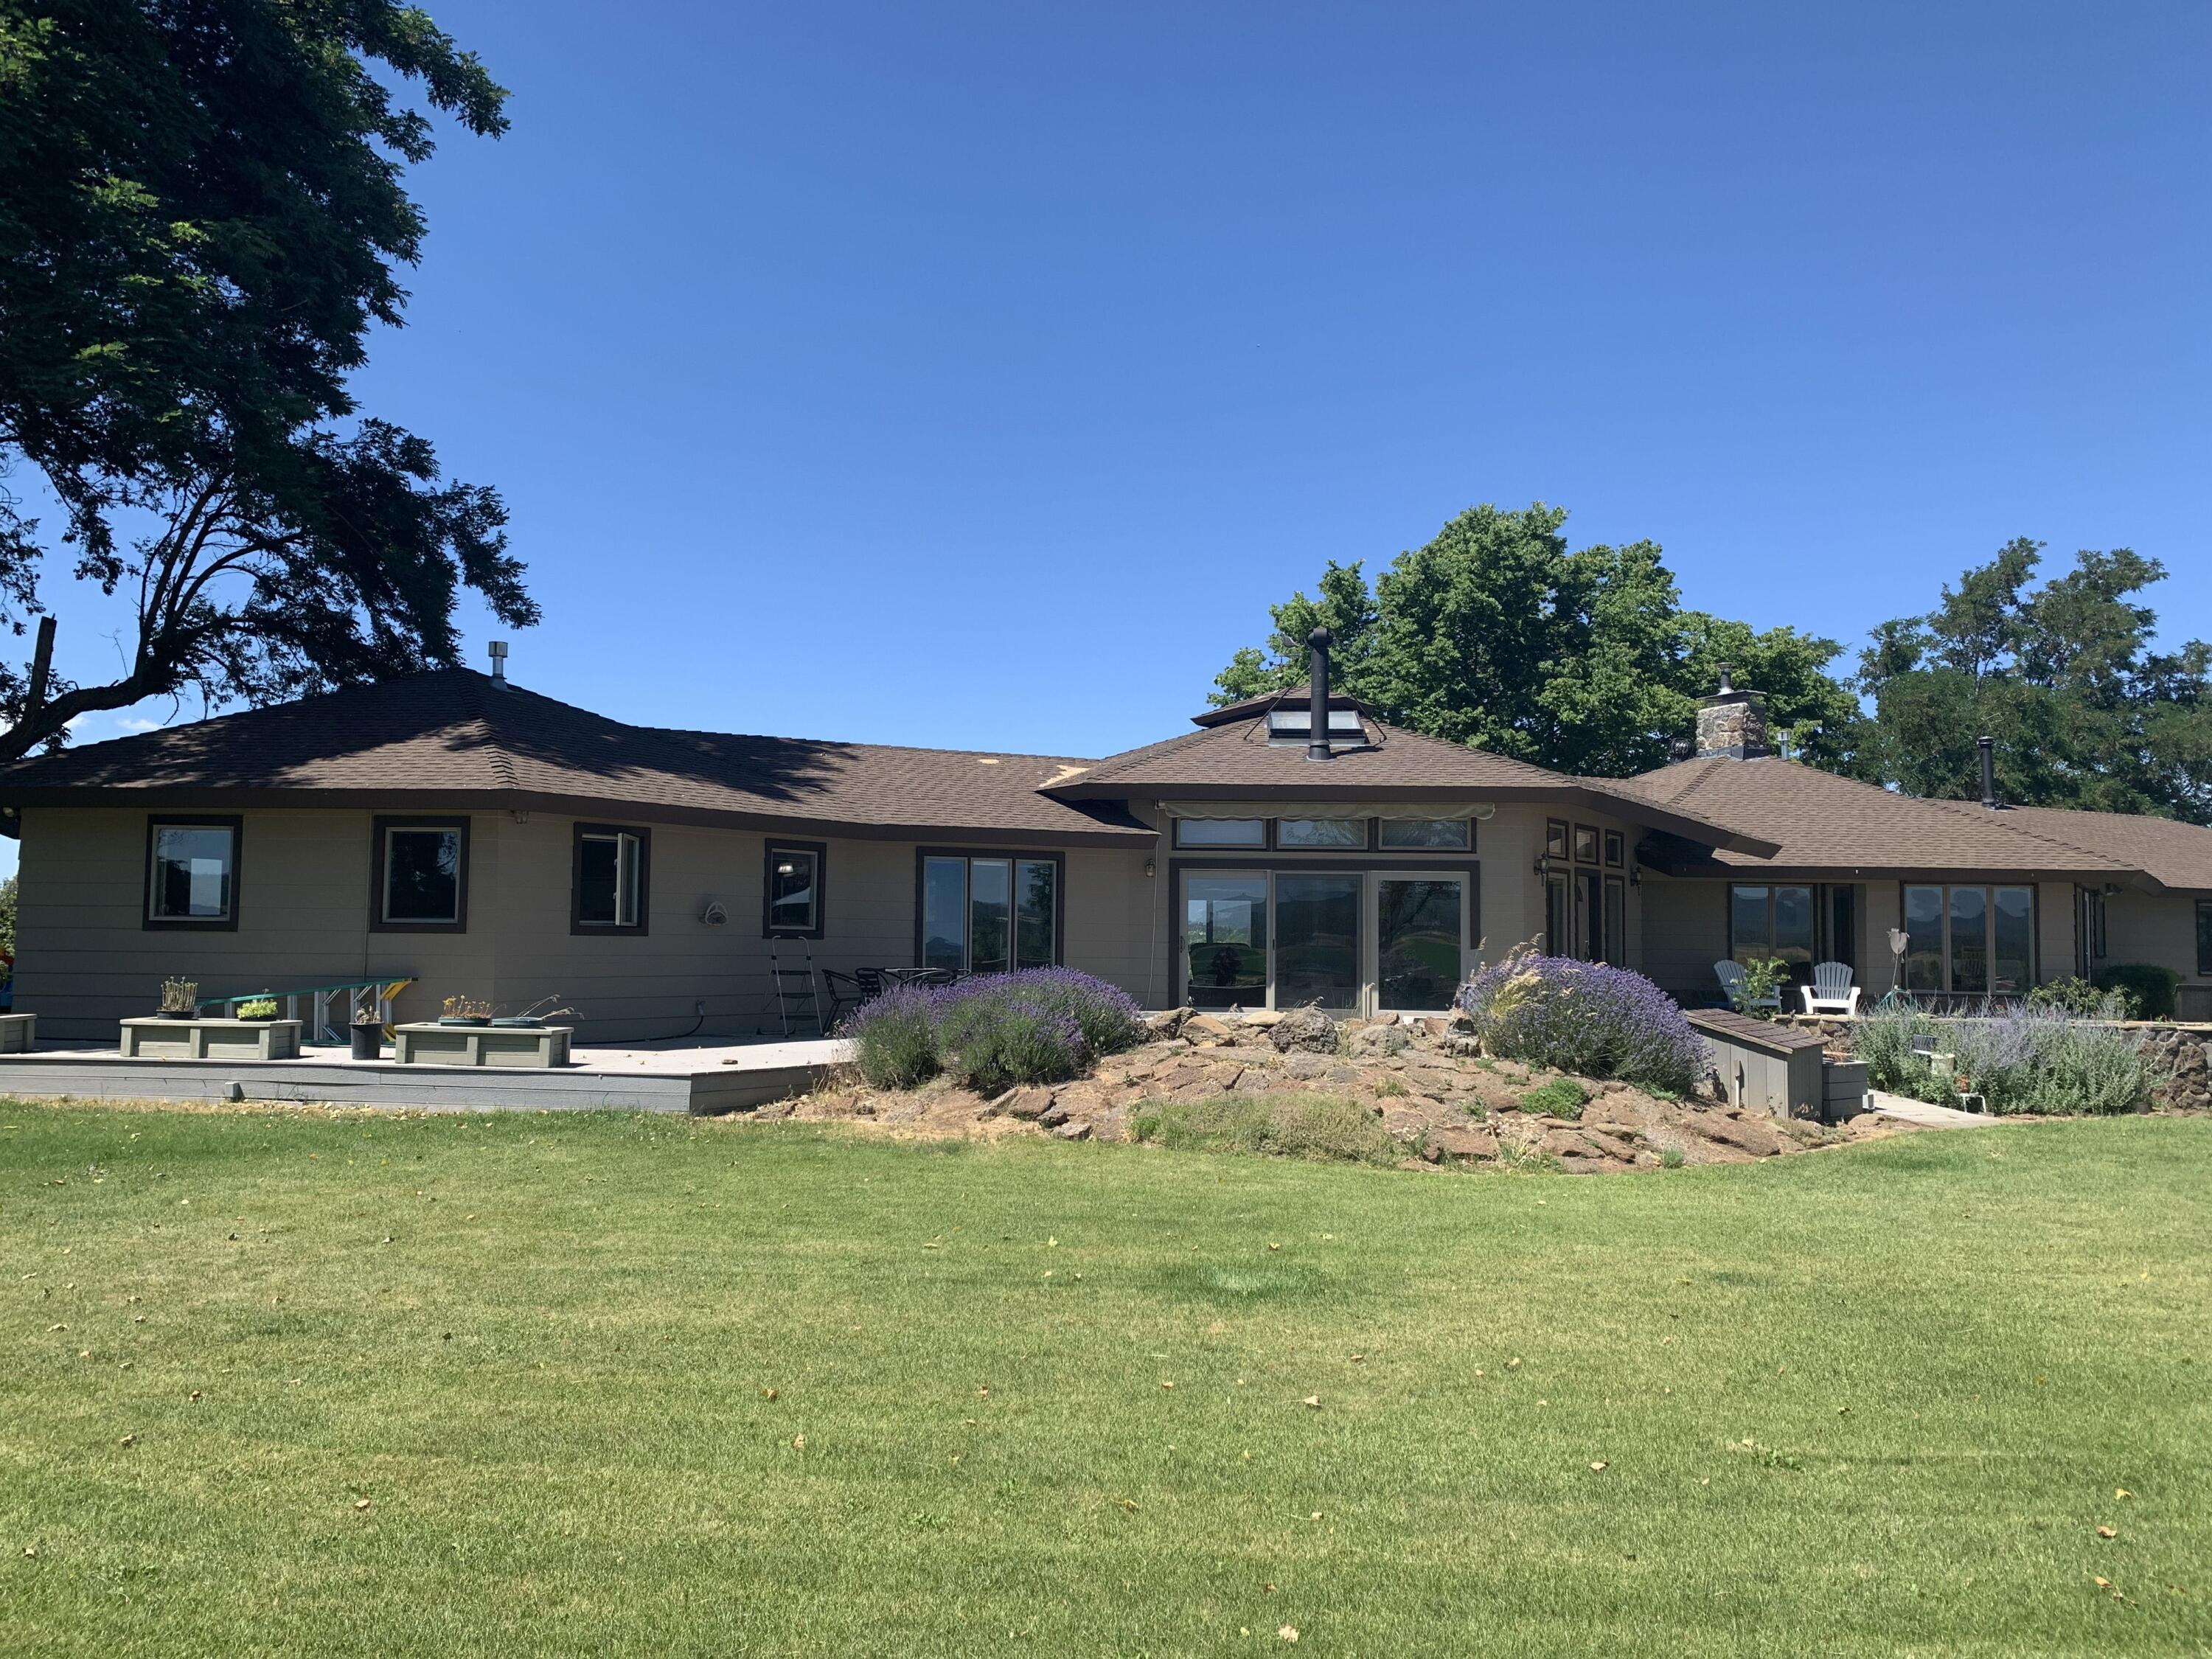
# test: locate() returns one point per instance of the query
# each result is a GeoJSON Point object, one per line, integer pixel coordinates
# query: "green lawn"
{"type": "Point", "coordinates": [1870, 1401]}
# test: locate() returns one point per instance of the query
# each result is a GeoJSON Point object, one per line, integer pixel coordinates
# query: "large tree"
{"type": "Point", "coordinates": [202, 212]}
{"type": "Point", "coordinates": [2086, 713]}
{"type": "Point", "coordinates": [1497, 633]}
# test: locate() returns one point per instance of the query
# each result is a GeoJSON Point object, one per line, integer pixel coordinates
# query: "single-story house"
{"type": "Point", "coordinates": [476, 838]}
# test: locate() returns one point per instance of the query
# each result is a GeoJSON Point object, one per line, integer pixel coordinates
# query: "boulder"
{"type": "Point", "coordinates": [1168, 1022]}
{"type": "Point", "coordinates": [1307, 1067]}
{"type": "Point", "coordinates": [1374, 1041]}
{"type": "Point", "coordinates": [1308, 1030]}
{"type": "Point", "coordinates": [1206, 1028]}
{"type": "Point", "coordinates": [1053, 1116]}
{"type": "Point", "coordinates": [1746, 1134]}
{"type": "Point", "coordinates": [1454, 1141]}
{"type": "Point", "coordinates": [1073, 1131]}
{"type": "Point", "coordinates": [1032, 1102]}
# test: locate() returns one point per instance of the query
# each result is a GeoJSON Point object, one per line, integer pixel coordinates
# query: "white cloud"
{"type": "Point", "coordinates": [129, 723]}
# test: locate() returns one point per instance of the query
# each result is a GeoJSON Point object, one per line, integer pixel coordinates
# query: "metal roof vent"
{"type": "Point", "coordinates": [499, 660]}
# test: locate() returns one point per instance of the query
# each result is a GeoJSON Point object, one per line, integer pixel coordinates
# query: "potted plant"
{"type": "Point", "coordinates": [465, 1011]}
{"type": "Point", "coordinates": [257, 1008]}
{"type": "Point", "coordinates": [368, 1033]}
{"type": "Point", "coordinates": [180, 999]}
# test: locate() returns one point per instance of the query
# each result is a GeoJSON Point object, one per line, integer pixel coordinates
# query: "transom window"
{"type": "Point", "coordinates": [793, 886]}
{"type": "Point", "coordinates": [421, 875]}
{"type": "Point", "coordinates": [1454, 835]}
{"type": "Point", "coordinates": [192, 873]}
{"type": "Point", "coordinates": [1327, 835]}
{"type": "Point", "coordinates": [610, 878]}
{"type": "Point", "coordinates": [984, 912]}
{"type": "Point", "coordinates": [1969, 940]}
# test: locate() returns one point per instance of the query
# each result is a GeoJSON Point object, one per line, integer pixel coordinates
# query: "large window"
{"type": "Point", "coordinates": [191, 872]}
{"type": "Point", "coordinates": [985, 913]}
{"type": "Point", "coordinates": [1969, 940]}
{"type": "Point", "coordinates": [2204, 936]}
{"type": "Point", "coordinates": [608, 882]}
{"type": "Point", "coordinates": [1767, 921]}
{"type": "Point", "coordinates": [792, 889]}
{"type": "Point", "coordinates": [420, 876]}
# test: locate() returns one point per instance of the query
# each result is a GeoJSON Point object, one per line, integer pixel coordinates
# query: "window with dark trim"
{"type": "Point", "coordinates": [987, 912]}
{"type": "Point", "coordinates": [792, 889]}
{"type": "Point", "coordinates": [1585, 844]}
{"type": "Point", "coordinates": [1969, 940]}
{"type": "Point", "coordinates": [1425, 834]}
{"type": "Point", "coordinates": [1616, 849]}
{"type": "Point", "coordinates": [1616, 921]}
{"type": "Point", "coordinates": [607, 890]}
{"type": "Point", "coordinates": [1555, 838]}
{"type": "Point", "coordinates": [1334, 834]}
{"type": "Point", "coordinates": [1206, 833]}
{"type": "Point", "coordinates": [2204, 936]}
{"type": "Point", "coordinates": [192, 872]}
{"type": "Point", "coordinates": [419, 880]}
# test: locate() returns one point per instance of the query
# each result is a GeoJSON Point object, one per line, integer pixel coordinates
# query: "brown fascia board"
{"type": "Point", "coordinates": [1129, 833]}
{"type": "Point", "coordinates": [1713, 869]}
{"type": "Point", "coordinates": [1569, 795]}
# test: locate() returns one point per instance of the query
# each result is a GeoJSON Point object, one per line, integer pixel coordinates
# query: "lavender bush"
{"type": "Point", "coordinates": [1587, 1017]}
{"type": "Point", "coordinates": [2019, 1058]}
{"type": "Point", "coordinates": [1039, 1025]}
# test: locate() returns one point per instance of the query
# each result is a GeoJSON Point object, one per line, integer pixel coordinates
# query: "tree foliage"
{"type": "Point", "coordinates": [2063, 675]}
{"type": "Point", "coordinates": [202, 215]}
{"type": "Point", "coordinates": [1496, 634]}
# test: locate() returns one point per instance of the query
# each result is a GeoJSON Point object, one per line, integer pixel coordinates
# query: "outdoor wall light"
{"type": "Point", "coordinates": [1150, 868]}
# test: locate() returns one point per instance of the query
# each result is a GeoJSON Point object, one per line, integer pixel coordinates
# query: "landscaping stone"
{"type": "Point", "coordinates": [1031, 1102]}
{"type": "Point", "coordinates": [1306, 1029]}
{"type": "Point", "coordinates": [1746, 1134]}
{"type": "Point", "coordinates": [1053, 1116]}
{"type": "Point", "coordinates": [1371, 1042]}
{"type": "Point", "coordinates": [1073, 1131]}
{"type": "Point", "coordinates": [1168, 1021]}
{"type": "Point", "coordinates": [1205, 1027]}
{"type": "Point", "coordinates": [1469, 1142]}
{"type": "Point", "coordinates": [1308, 1067]}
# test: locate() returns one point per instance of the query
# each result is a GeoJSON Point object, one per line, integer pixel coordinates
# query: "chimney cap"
{"type": "Point", "coordinates": [1320, 639]}
{"type": "Point", "coordinates": [498, 648]}
{"type": "Point", "coordinates": [1728, 678]}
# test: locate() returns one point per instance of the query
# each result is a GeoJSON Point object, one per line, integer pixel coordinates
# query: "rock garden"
{"type": "Point", "coordinates": [1547, 1064]}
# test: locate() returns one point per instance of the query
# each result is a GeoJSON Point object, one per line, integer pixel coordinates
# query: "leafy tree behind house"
{"type": "Point", "coordinates": [202, 213]}
{"type": "Point", "coordinates": [2063, 675]}
{"type": "Point", "coordinates": [1497, 633]}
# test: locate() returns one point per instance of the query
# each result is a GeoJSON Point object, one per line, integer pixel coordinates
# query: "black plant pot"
{"type": "Point", "coordinates": [369, 1043]}
{"type": "Point", "coordinates": [179, 1014]}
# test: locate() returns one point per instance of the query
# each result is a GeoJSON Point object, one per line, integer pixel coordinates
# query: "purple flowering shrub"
{"type": "Point", "coordinates": [1587, 1017]}
{"type": "Point", "coordinates": [991, 1032]}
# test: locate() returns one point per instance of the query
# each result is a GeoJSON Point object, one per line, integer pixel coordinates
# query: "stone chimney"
{"type": "Point", "coordinates": [1732, 722]}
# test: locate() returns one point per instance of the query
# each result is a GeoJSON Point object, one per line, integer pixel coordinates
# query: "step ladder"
{"type": "Point", "coordinates": [798, 1000]}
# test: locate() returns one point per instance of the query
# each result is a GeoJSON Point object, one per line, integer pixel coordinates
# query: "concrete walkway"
{"type": "Point", "coordinates": [1926, 1116]}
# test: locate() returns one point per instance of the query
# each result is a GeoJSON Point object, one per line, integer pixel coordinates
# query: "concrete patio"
{"type": "Point", "coordinates": [701, 1078]}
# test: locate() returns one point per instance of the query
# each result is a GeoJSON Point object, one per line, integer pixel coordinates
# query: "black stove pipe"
{"type": "Point", "coordinates": [1317, 644]}
{"type": "Point", "coordinates": [1989, 747]}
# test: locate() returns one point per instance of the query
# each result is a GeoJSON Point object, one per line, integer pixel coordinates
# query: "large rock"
{"type": "Point", "coordinates": [1206, 1028]}
{"type": "Point", "coordinates": [1025, 1103]}
{"type": "Point", "coordinates": [1308, 1030]}
{"type": "Point", "coordinates": [1746, 1134]}
{"type": "Point", "coordinates": [1168, 1022]}
{"type": "Point", "coordinates": [1308, 1067]}
{"type": "Point", "coordinates": [1374, 1041]}
{"type": "Point", "coordinates": [1455, 1141]}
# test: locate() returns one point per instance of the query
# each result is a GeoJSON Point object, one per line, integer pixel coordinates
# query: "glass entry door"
{"type": "Point", "coordinates": [1224, 941]}
{"type": "Point", "coordinates": [1317, 940]}
{"type": "Point", "coordinates": [1420, 935]}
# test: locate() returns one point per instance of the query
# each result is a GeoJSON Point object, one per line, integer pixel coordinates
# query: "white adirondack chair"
{"type": "Point", "coordinates": [1831, 990]}
{"type": "Point", "coordinates": [1732, 979]}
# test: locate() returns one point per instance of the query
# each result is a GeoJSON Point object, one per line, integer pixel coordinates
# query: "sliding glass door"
{"type": "Point", "coordinates": [1224, 941]}
{"type": "Point", "coordinates": [1317, 940]}
{"type": "Point", "coordinates": [1345, 940]}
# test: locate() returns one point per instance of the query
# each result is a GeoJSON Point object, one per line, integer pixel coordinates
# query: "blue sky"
{"type": "Point", "coordinates": [976, 375]}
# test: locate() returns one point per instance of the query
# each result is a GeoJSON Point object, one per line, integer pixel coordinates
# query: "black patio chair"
{"type": "Point", "coordinates": [845, 993]}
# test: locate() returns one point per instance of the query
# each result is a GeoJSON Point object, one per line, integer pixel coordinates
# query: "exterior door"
{"type": "Point", "coordinates": [1421, 941]}
{"type": "Point", "coordinates": [1317, 938]}
{"type": "Point", "coordinates": [1225, 940]}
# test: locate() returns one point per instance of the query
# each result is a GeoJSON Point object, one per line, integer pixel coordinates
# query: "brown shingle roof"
{"type": "Point", "coordinates": [1825, 822]}
{"type": "Point", "coordinates": [1225, 761]}
{"type": "Point", "coordinates": [2170, 852]}
{"type": "Point", "coordinates": [455, 738]}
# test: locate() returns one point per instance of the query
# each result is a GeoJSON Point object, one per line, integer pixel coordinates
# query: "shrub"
{"type": "Point", "coordinates": [2075, 995]}
{"type": "Point", "coordinates": [1039, 1025]}
{"type": "Point", "coordinates": [1319, 1126]}
{"type": "Point", "coordinates": [1671, 1158]}
{"type": "Point", "coordinates": [895, 1038]}
{"type": "Point", "coordinates": [2017, 1059]}
{"type": "Point", "coordinates": [998, 1036]}
{"type": "Point", "coordinates": [1561, 1097]}
{"type": "Point", "coordinates": [2151, 986]}
{"type": "Point", "coordinates": [1763, 977]}
{"type": "Point", "coordinates": [1586, 1017]}
{"type": "Point", "coordinates": [257, 1008]}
